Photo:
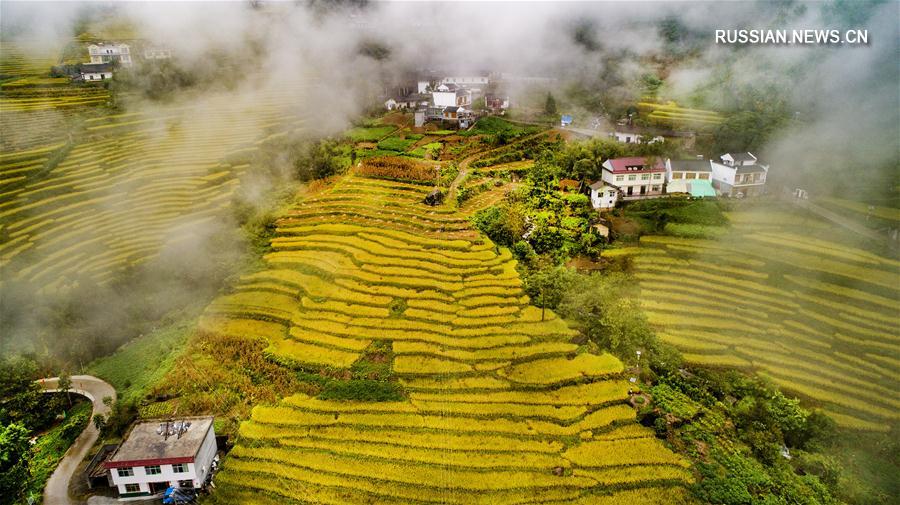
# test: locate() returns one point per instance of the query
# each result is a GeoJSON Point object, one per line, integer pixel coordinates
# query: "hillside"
{"type": "Point", "coordinates": [785, 295]}
{"type": "Point", "coordinates": [498, 406]}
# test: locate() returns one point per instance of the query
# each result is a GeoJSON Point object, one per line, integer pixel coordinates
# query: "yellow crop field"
{"type": "Point", "coordinates": [496, 397]}
{"type": "Point", "coordinates": [820, 318]}
{"type": "Point", "coordinates": [112, 196]}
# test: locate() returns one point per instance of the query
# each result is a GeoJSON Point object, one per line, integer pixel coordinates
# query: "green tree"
{"type": "Point", "coordinates": [547, 286]}
{"type": "Point", "coordinates": [604, 312]}
{"type": "Point", "coordinates": [550, 105]}
{"type": "Point", "coordinates": [14, 458]}
{"type": "Point", "coordinates": [65, 384]}
{"type": "Point", "coordinates": [504, 224]}
{"type": "Point", "coordinates": [20, 396]}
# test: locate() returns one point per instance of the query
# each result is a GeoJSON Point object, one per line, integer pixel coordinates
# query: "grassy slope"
{"type": "Point", "coordinates": [53, 444]}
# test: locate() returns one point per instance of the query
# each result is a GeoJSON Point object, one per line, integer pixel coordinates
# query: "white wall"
{"type": "Point", "coordinates": [444, 98]}
{"type": "Point", "coordinates": [604, 198]}
{"type": "Point", "coordinates": [635, 180]}
{"type": "Point", "coordinates": [722, 173]}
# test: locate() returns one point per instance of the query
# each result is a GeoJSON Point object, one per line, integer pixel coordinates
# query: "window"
{"type": "Point", "coordinates": [125, 472]}
{"type": "Point", "coordinates": [185, 483]}
{"type": "Point", "coordinates": [655, 188]}
{"type": "Point", "coordinates": [179, 468]}
{"type": "Point", "coordinates": [620, 178]}
{"type": "Point", "coordinates": [152, 470]}
{"type": "Point", "coordinates": [632, 177]}
{"type": "Point", "coordinates": [676, 175]}
{"type": "Point", "coordinates": [612, 194]}
{"type": "Point", "coordinates": [645, 177]}
{"type": "Point", "coordinates": [657, 176]}
{"type": "Point", "coordinates": [704, 176]}
{"type": "Point", "coordinates": [132, 488]}
{"type": "Point", "coordinates": [691, 175]}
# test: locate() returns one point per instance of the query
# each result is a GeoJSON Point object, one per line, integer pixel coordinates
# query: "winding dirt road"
{"type": "Point", "coordinates": [57, 490]}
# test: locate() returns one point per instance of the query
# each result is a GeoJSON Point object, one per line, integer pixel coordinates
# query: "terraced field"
{"type": "Point", "coordinates": [501, 407]}
{"type": "Point", "coordinates": [89, 208]}
{"type": "Point", "coordinates": [671, 112]}
{"type": "Point", "coordinates": [777, 294]}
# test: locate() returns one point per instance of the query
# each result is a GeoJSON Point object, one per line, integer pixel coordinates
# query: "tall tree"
{"type": "Point", "coordinates": [65, 384]}
{"type": "Point", "coordinates": [550, 105]}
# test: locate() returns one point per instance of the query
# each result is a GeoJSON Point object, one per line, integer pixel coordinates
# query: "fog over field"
{"type": "Point", "coordinates": [326, 63]}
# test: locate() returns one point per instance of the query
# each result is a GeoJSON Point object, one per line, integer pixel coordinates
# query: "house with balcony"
{"type": "Point", "coordinates": [110, 53]}
{"type": "Point", "coordinates": [636, 177]}
{"type": "Point", "coordinates": [157, 455]}
{"type": "Point", "coordinates": [739, 175]}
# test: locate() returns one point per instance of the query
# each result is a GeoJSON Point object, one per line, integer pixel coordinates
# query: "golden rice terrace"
{"type": "Point", "coordinates": [501, 407]}
{"type": "Point", "coordinates": [779, 294]}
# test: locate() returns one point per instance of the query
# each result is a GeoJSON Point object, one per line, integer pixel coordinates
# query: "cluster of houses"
{"type": "Point", "coordinates": [735, 175]}
{"type": "Point", "coordinates": [105, 57]}
{"type": "Point", "coordinates": [449, 99]}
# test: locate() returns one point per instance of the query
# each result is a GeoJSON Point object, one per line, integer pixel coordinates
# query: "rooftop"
{"type": "Point", "coordinates": [742, 157]}
{"type": "Point", "coordinates": [145, 443]}
{"type": "Point", "coordinates": [690, 165]}
{"type": "Point", "coordinates": [96, 67]}
{"type": "Point", "coordinates": [621, 165]}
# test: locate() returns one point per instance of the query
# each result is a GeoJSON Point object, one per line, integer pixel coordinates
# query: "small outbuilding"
{"type": "Point", "coordinates": [96, 71]}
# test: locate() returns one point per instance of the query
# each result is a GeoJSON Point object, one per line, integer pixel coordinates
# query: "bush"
{"type": "Point", "coordinates": [503, 224]}
{"type": "Point", "coordinates": [363, 390]}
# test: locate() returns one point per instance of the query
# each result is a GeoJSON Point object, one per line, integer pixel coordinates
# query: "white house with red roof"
{"type": "Point", "coordinates": [636, 177]}
{"type": "Point", "coordinates": [156, 455]}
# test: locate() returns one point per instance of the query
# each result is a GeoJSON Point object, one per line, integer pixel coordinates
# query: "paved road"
{"type": "Point", "coordinates": [840, 220]}
{"type": "Point", "coordinates": [57, 490]}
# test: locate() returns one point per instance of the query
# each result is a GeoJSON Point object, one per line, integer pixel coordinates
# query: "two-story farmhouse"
{"type": "Point", "coordinates": [739, 175]}
{"type": "Point", "coordinates": [156, 455]}
{"type": "Point", "coordinates": [451, 96]}
{"type": "Point", "coordinates": [636, 177]}
{"type": "Point", "coordinates": [110, 53]}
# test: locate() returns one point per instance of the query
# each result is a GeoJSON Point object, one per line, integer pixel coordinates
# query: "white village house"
{"type": "Point", "coordinates": [739, 175]}
{"type": "Point", "coordinates": [631, 135]}
{"type": "Point", "coordinates": [636, 177]}
{"type": "Point", "coordinates": [110, 53]}
{"type": "Point", "coordinates": [156, 455]}
{"type": "Point", "coordinates": [450, 96]}
{"type": "Point", "coordinates": [96, 71]}
{"type": "Point", "coordinates": [467, 80]}
{"type": "Point", "coordinates": [604, 195]}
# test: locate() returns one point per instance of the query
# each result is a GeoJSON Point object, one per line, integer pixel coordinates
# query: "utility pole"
{"type": "Point", "coordinates": [543, 304]}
